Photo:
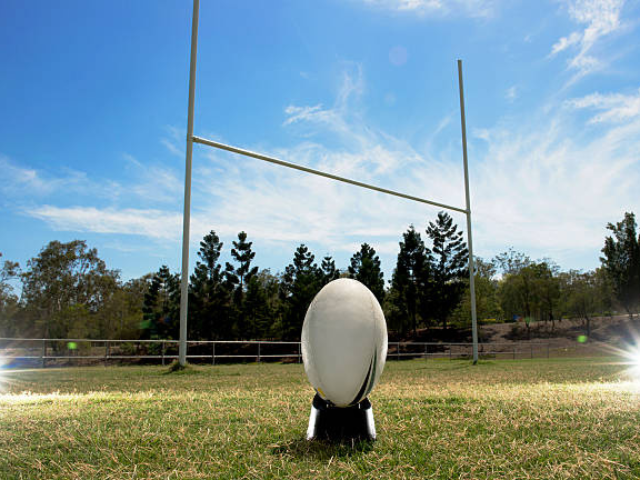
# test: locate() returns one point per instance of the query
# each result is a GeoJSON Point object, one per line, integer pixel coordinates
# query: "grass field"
{"type": "Point", "coordinates": [437, 419]}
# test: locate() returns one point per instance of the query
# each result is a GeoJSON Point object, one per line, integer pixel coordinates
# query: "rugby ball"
{"type": "Point", "coordinates": [344, 342]}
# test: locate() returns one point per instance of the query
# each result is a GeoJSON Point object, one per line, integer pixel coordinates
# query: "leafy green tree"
{"type": "Point", "coordinates": [487, 301]}
{"type": "Point", "coordinates": [62, 277]}
{"type": "Point", "coordinates": [365, 267]}
{"type": "Point", "coordinates": [582, 294]}
{"type": "Point", "coordinates": [511, 261]}
{"type": "Point", "coordinates": [547, 289]}
{"type": "Point", "coordinates": [449, 266]}
{"type": "Point", "coordinates": [122, 315]}
{"type": "Point", "coordinates": [531, 290]}
{"type": "Point", "coordinates": [301, 281]}
{"type": "Point", "coordinates": [9, 306]}
{"type": "Point", "coordinates": [622, 262]}
{"type": "Point", "coordinates": [410, 284]}
{"type": "Point", "coordinates": [161, 308]}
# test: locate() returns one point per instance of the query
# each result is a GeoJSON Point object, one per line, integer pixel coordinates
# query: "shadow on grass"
{"type": "Point", "coordinates": [322, 449]}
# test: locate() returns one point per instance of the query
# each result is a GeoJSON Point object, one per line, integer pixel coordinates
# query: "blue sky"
{"type": "Point", "coordinates": [93, 98]}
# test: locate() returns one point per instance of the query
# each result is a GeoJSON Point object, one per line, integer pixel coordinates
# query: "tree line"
{"type": "Point", "coordinates": [68, 291]}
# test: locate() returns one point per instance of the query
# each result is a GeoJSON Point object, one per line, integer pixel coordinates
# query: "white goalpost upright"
{"type": "Point", "coordinates": [191, 138]}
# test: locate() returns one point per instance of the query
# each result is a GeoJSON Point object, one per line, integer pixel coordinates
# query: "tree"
{"type": "Point", "coordinates": [261, 304]}
{"type": "Point", "coordinates": [9, 306]}
{"type": "Point", "coordinates": [582, 295]}
{"type": "Point", "coordinates": [487, 301]}
{"type": "Point", "coordinates": [208, 298]}
{"type": "Point", "coordinates": [161, 308]}
{"type": "Point", "coordinates": [300, 283]}
{"type": "Point", "coordinates": [241, 253]}
{"type": "Point", "coordinates": [410, 283]}
{"type": "Point", "coordinates": [237, 280]}
{"type": "Point", "coordinates": [622, 261]}
{"type": "Point", "coordinates": [365, 267]}
{"type": "Point", "coordinates": [547, 289]}
{"type": "Point", "coordinates": [511, 261]}
{"type": "Point", "coordinates": [329, 270]}
{"type": "Point", "coordinates": [449, 266]}
{"type": "Point", "coordinates": [122, 314]}
{"type": "Point", "coordinates": [61, 278]}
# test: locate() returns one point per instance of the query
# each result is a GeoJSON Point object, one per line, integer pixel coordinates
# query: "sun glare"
{"type": "Point", "coordinates": [3, 380]}
{"type": "Point", "coordinates": [632, 355]}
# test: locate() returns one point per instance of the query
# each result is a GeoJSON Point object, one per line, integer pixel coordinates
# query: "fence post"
{"type": "Point", "coordinates": [213, 353]}
{"type": "Point", "coordinates": [44, 352]}
{"type": "Point", "coordinates": [300, 352]}
{"type": "Point", "coordinates": [106, 352]}
{"type": "Point", "coordinates": [426, 351]}
{"type": "Point", "coordinates": [258, 352]}
{"type": "Point", "coordinates": [162, 352]}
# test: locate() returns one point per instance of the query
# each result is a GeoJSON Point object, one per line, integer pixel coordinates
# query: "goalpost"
{"type": "Point", "coordinates": [191, 139]}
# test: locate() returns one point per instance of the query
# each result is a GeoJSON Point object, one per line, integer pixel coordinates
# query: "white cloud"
{"type": "Point", "coordinates": [439, 8]}
{"type": "Point", "coordinates": [600, 18]}
{"type": "Point", "coordinates": [540, 186]}
{"type": "Point", "coordinates": [18, 182]}
{"type": "Point", "coordinates": [155, 224]}
{"type": "Point", "coordinates": [175, 141]}
{"type": "Point", "coordinates": [511, 94]}
{"type": "Point", "coordinates": [615, 107]}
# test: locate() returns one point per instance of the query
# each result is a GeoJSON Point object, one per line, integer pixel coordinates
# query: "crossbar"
{"type": "Point", "coordinates": [265, 158]}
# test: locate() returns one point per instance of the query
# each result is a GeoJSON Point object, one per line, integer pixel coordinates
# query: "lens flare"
{"type": "Point", "coordinates": [3, 380]}
{"type": "Point", "coordinates": [631, 354]}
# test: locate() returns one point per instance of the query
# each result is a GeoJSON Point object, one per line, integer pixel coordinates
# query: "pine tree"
{"type": "Point", "coordinates": [409, 284]}
{"type": "Point", "coordinates": [208, 300]}
{"type": "Point", "coordinates": [257, 310]}
{"type": "Point", "coordinates": [237, 280]}
{"type": "Point", "coordinates": [301, 281]}
{"type": "Point", "coordinates": [449, 266]}
{"type": "Point", "coordinates": [622, 261]}
{"type": "Point", "coordinates": [365, 267]}
{"type": "Point", "coordinates": [243, 255]}
{"type": "Point", "coordinates": [161, 308]}
{"type": "Point", "coordinates": [329, 270]}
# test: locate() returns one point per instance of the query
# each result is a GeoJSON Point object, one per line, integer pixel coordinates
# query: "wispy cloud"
{"type": "Point", "coordinates": [538, 185]}
{"type": "Point", "coordinates": [615, 107]}
{"type": "Point", "coordinates": [599, 19]}
{"type": "Point", "coordinates": [155, 224]}
{"type": "Point", "coordinates": [174, 141]}
{"type": "Point", "coordinates": [439, 8]}
{"type": "Point", "coordinates": [541, 186]}
{"type": "Point", "coordinates": [18, 181]}
{"type": "Point", "coordinates": [511, 94]}
{"type": "Point", "coordinates": [17, 178]}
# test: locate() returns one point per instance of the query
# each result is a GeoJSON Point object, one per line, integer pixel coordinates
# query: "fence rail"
{"type": "Point", "coordinates": [55, 352]}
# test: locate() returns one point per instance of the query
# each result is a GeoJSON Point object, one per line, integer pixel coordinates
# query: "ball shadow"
{"type": "Point", "coordinates": [322, 449]}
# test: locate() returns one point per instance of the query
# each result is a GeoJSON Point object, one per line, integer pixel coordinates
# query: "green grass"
{"type": "Point", "coordinates": [438, 419]}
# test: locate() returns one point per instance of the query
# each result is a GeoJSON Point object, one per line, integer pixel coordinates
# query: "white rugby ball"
{"type": "Point", "coordinates": [344, 342]}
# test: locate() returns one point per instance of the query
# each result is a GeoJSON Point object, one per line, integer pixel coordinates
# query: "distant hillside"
{"type": "Point", "coordinates": [614, 331]}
